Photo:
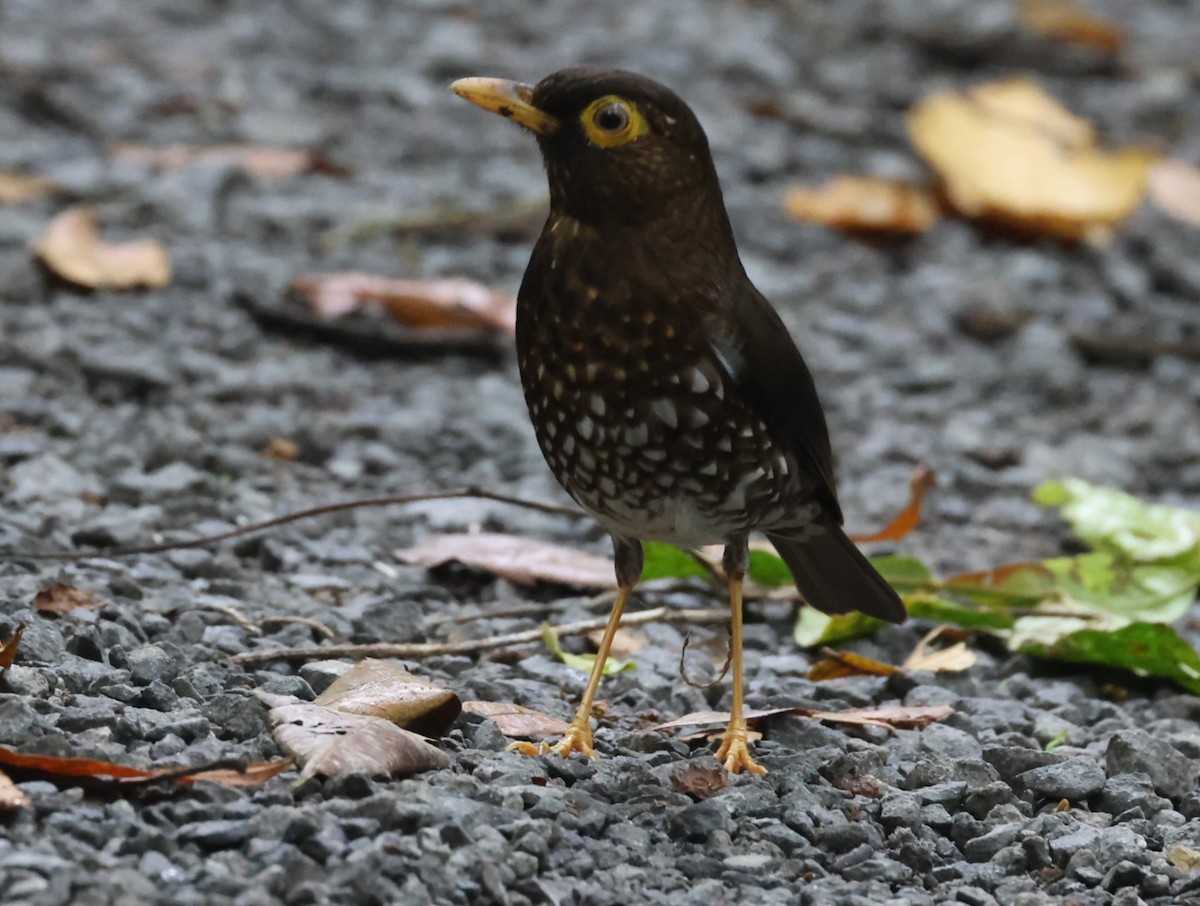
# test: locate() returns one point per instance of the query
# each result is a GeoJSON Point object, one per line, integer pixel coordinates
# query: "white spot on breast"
{"type": "Point", "coordinates": [586, 427]}
{"type": "Point", "coordinates": [608, 487]}
{"type": "Point", "coordinates": [598, 406]}
{"type": "Point", "coordinates": [568, 444]}
{"type": "Point", "coordinates": [697, 418]}
{"type": "Point", "coordinates": [551, 430]}
{"type": "Point", "coordinates": [709, 468]}
{"type": "Point", "coordinates": [557, 389]}
{"type": "Point", "coordinates": [586, 459]}
{"type": "Point", "coordinates": [636, 435]}
{"type": "Point", "coordinates": [666, 412]}
{"type": "Point", "coordinates": [699, 382]}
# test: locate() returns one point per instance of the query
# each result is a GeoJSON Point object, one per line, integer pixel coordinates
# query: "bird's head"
{"type": "Point", "coordinates": [618, 147]}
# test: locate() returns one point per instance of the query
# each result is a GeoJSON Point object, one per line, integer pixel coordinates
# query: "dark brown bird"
{"type": "Point", "coordinates": [667, 396]}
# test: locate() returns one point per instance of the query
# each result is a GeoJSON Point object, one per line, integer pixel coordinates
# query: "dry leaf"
{"type": "Point", "coordinates": [255, 774]}
{"type": "Point", "coordinates": [63, 598]}
{"type": "Point", "coordinates": [72, 248]}
{"type": "Point", "coordinates": [522, 561]}
{"type": "Point", "coordinates": [891, 717]}
{"type": "Point", "coordinates": [384, 689]}
{"type": "Point", "coordinates": [332, 743]}
{"type": "Point", "coordinates": [11, 798]}
{"type": "Point", "coordinates": [838, 664]}
{"type": "Point", "coordinates": [699, 782]}
{"type": "Point", "coordinates": [1065, 20]}
{"type": "Point", "coordinates": [1183, 857]}
{"type": "Point", "coordinates": [8, 649]}
{"type": "Point", "coordinates": [624, 643]}
{"type": "Point", "coordinates": [450, 303]}
{"type": "Point", "coordinates": [517, 721]}
{"type": "Point", "coordinates": [281, 448]}
{"type": "Point", "coordinates": [939, 660]}
{"type": "Point", "coordinates": [267, 163]}
{"type": "Point", "coordinates": [864, 204]}
{"type": "Point", "coordinates": [18, 189]}
{"type": "Point", "coordinates": [1175, 190]}
{"type": "Point", "coordinates": [923, 480]}
{"type": "Point", "coordinates": [1008, 152]}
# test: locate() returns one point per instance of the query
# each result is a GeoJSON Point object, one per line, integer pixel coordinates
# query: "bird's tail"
{"type": "Point", "coordinates": [834, 576]}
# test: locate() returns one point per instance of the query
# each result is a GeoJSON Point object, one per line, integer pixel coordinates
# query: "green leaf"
{"type": "Point", "coordinates": [666, 561]}
{"type": "Point", "coordinates": [768, 569]}
{"type": "Point", "coordinates": [816, 628]}
{"type": "Point", "coordinates": [1057, 740]}
{"type": "Point", "coordinates": [940, 610]}
{"type": "Point", "coordinates": [903, 573]}
{"type": "Point", "coordinates": [582, 662]}
{"type": "Point", "coordinates": [1109, 583]}
{"type": "Point", "coordinates": [1147, 649]}
{"type": "Point", "coordinates": [1114, 521]}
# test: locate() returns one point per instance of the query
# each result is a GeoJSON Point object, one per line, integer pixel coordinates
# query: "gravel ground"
{"type": "Point", "coordinates": [127, 415]}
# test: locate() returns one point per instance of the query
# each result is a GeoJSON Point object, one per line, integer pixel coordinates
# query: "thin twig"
{"type": "Point", "coordinates": [324, 510]}
{"type": "Point", "coordinates": [315, 625]}
{"type": "Point", "coordinates": [696, 684]}
{"type": "Point", "coordinates": [473, 646]}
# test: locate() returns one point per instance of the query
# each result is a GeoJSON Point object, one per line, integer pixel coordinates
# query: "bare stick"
{"type": "Point", "coordinates": [473, 646]}
{"type": "Point", "coordinates": [324, 510]}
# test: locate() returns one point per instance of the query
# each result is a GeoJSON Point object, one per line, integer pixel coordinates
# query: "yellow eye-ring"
{"type": "Point", "coordinates": [612, 121]}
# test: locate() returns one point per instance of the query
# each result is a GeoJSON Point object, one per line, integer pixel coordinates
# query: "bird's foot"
{"type": "Point", "coordinates": [576, 739]}
{"type": "Point", "coordinates": [734, 752]}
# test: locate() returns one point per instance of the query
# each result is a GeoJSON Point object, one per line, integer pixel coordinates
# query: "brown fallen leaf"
{"type": "Point", "coordinates": [624, 643]}
{"type": "Point", "coordinates": [897, 717]}
{"type": "Point", "coordinates": [516, 720]}
{"type": "Point", "coordinates": [380, 688]}
{"type": "Point", "coordinates": [838, 664]}
{"type": "Point", "coordinates": [1175, 190]}
{"type": "Point", "coordinates": [699, 782]}
{"type": "Point", "coordinates": [864, 204]}
{"type": "Point", "coordinates": [1066, 20]}
{"type": "Point", "coordinates": [950, 659]}
{"type": "Point", "coordinates": [281, 448]}
{"type": "Point", "coordinates": [1008, 152]}
{"type": "Point", "coordinates": [63, 598]}
{"type": "Point", "coordinates": [263, 162]}
{"type": "Point", "coordinates": [449, 302]}
{"type": "Point", "coordinates": [923, 480]}
{"type": "Point", "coordinates": [72, 248]}
{"type": "Point", "coordinates": [16, 188]}
{"type": "Point", "coordinates": [8, 649]}
{"type": "Point", "coordinates": [522, 561]}
{"type": "Point", "coordinates": [332, 743]}
{"type": "Point", "coordinates": [255, 774]}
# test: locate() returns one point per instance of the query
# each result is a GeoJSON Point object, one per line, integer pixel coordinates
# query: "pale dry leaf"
{"type": "Point", "coordinates": [517, 721]}
{"type": "Point", "coordinates": [894, 717]}
{"type": "Point", "coordinates": [332, 743]}
{"type": "Point", "coordinates": [939, 660]}
{"type": "Point", "coordinates": [1175, 190]}
{"type": "Point", "coordinates": [864, 204]}
{"type": "Point", "coordinates": [255, 774]}
{"type": "Point", "coordinates": [11, 798]}
{"type": "Point", "coordinates": [699, 782]}
{"type": "Point", "coordinates": [449, 302]}
{"type": "Point", "coordinates": [382, 688]}
{"type": "Point", "coordinates": [63, 598]}
{"type": "Point", "coordinates": [281, 448]}
{"type": "Point", "coordinates": [1066, 20]}
{"type": "Point", "coordinates": [72, 248]}
{"type": "Point", "coordinates": [253, 160]}
{"type": "Point", "coordinates": [1008, 152]}
{"type": "Point", "coordinates": [522, 561]}
{"type": "Point", "coordinates": [16, 188]}
{"type": "Point", "coordinates": [624, 643]}
{"type": "Point", "coordinates": [1183, 857]}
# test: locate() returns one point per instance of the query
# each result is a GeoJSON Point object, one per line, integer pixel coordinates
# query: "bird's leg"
{"type": "Point", "coordinates": [734, 751]}
{"type": "Point", "coordinates": [578, 737]}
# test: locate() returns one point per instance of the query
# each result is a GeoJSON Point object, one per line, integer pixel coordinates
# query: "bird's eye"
{"type": "Point", "coordinates": [611, 120]}
{"type": "Point", "coordinates": [612, 117]}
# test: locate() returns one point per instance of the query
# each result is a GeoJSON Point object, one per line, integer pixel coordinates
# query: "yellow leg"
{"type": "Point", "coordinates": [578, 737]}
{"type": "Point", "coordinates": [734, 752]}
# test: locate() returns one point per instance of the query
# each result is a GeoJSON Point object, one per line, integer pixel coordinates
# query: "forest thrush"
{"type": "Point", "coordinates": [666, 394]}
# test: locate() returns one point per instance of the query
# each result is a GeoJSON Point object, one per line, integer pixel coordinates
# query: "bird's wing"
{"type": "Point", "coordinates": [755, 350]}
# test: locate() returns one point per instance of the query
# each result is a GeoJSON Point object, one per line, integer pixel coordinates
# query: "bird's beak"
{"type": "Point", "coordinates": [512, 100]}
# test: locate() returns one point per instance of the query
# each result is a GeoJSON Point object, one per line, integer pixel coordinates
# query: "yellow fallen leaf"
{"type": "Point", "coordinates": [1175, 190]}
{"type": "Point", "coordinates": [939, 660]}
{"type": "Point", "coordinates": [72, 248]}
{"type": "Point", "coordinates": [1183, 857]}
{"type": "Point", "coordinates": [1065, 20]}
{"type": "Point", "coordinates": [16, 188]}
{"type": "Point", "coordinates": [1008, 152]}
{"type": "Point", "coordinates": [864, 204]}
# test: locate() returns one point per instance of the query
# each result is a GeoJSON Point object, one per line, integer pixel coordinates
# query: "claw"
{"type": "Point", "coordinates": [734, 753]}
{"type": "Point", "coordinates": [576, 739]}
